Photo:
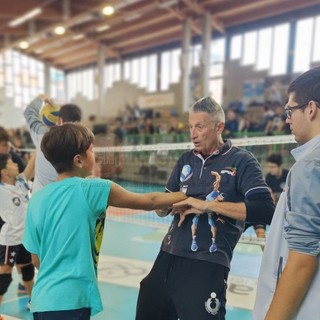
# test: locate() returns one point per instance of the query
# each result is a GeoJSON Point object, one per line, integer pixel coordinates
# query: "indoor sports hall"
{"type": "Point", "coordinates": [132, 240]}
{"type": "Point", "coordinates": [134, 67]}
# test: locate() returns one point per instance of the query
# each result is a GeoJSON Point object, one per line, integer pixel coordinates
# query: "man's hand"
{"type": "Point", "coordinates": [188, 206]}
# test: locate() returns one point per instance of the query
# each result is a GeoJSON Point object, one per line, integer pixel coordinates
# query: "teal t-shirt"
{"type": "Point", "coordinates": [64, 227]}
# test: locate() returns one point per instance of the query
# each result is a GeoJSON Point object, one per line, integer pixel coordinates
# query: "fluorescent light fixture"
{"type": "Point", "coordinates": [108, 10]}
{"type": "Point", "coordinates": [103, 28]}
{"type": "Point", "coordinates": [78, 36]}
{"type": "Point", "coordinates": [28, 16]}
{"type": "Point", "coordinates": [59, 30]}
{"type": "Point", "coordinates": [24, 45]}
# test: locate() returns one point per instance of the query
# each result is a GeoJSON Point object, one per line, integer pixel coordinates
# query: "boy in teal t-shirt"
{"type": "Point", "coordinates": [65, 222]}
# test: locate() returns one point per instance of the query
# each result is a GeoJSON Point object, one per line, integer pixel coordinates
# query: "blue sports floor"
{"type": "Point", "coordinates": [127, 253]}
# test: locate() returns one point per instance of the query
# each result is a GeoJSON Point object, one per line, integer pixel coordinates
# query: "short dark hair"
{"type": "Point", "coordinates": [70, 113]}
{"type": "Point", "coordinates": [4, 136]}
{"type": "Point", "coordinates": [275, 158]}
{"type": "Point", "coordinates": [62, 143]}
{"type": "Point", "coordinates": [4, 157]}
{"type": "Point", "coordinates": [307, 86]}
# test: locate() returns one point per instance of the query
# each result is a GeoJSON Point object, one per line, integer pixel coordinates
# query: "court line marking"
{"type": "Point", "coordinates": [6, 317]}
{"type": "Point", "coordinates": [129, 272]}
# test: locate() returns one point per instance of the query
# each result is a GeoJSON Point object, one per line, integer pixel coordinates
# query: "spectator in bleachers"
{"type": "Point", "coordinates": [276, 176]}
{"type": "Point", "coordinates": [273, 94]}
{"type": "Point", "coordinates": [133, 131]}
{"type": "Point", "coordinates": [119, 132]}
{"type": "Point", "coordinates": [26, 137]}
{"type": "Point", "coordinates": [137, 113]}
{"type": "Point", "coordinates": [174, 124]}
{"type": "Point", "coordinates": [237, 106]}
{"type": "Point", "coordinates": [148, 130]}
{"type": "Point", "coordinates": [231, 125]}
{"type": "Point", "coordinates": [248, 123]}
{"type": "Point", "coordinates": [276, 123]}
{"type": "Point", "coordinates": [18, 144]}
{"type": "Point", "coordinates": [6, 148]}
{"type": "Point", "coordinates": [266, 117]}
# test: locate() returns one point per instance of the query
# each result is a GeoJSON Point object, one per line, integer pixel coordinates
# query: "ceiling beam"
{"type": "Point", "coordinates": [62, 51]}
{"type": "Point", "coordinates": [200, 10]}
{"type": "Point", "coordinates": [166, 39]}
{"type": "Point", "coordinates": [134, 26]}
{"type": "Point", "coordinates": [146, 37]}
{"type": "Point", "coordinates": [228, 8]}
{"type": "Point", "coordinates": [82, 54]}
{"type": "Point", "coordinates": [79, 62]}
{"type": "Point", "coordinates": [183, 17]}
{"type": "Point", "coordinates": [258, 14]}
{"type": "Point", "coordinates": [153, 30]}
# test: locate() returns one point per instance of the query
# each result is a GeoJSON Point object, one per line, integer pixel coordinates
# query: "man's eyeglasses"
{"type": "Point", "coordinates": [289, 110]}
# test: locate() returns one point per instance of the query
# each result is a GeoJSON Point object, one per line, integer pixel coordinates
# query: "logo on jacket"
{"type": "Point", "coordinates": [186, 173]}
{"type": "Point", "coordinates": [16, 201]}
{"type": "Point", "coordinates": [230, 170]}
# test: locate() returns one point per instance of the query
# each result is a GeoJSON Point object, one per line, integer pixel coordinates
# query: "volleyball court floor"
{"type": "Point", "coordinates": [127, 254]}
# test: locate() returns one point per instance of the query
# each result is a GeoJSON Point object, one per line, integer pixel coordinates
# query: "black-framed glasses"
{"type": "Point", "coordinates": [289, 110]}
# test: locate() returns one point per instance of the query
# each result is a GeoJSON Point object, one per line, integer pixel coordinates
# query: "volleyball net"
{"type": "Point", "coordinates": [146, 168]}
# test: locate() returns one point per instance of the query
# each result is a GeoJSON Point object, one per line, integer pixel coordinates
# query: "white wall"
{"type": "Point", "coordinates": [10, 117]}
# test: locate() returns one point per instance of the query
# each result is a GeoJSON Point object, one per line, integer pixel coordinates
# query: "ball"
{"type": "Point", "coordinates": [49, 114]}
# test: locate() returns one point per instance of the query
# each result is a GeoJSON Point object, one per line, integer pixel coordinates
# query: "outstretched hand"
{"type": "Point", "coordinates": [188, 206]}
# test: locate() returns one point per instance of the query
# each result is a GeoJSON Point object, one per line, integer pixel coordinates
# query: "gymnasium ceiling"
{"type": "Point", "coordinates": [136, 25]}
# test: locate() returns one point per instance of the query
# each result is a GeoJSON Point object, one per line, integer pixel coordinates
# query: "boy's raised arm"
{"type": "Point", "coordinates": [29, 170]}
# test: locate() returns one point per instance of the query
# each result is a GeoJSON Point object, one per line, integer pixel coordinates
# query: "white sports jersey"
{"type": "Point", "coordinates": [14, 200]}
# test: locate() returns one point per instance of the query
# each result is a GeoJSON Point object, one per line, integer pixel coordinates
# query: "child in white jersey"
{"type": "Point", "coordinates": [14, 197]}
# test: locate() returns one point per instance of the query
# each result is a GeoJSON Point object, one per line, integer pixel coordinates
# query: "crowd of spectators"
{"type": "Point", "coordinates": [135, 126]}
{"type": "Point", "coordinates": [255, 120]}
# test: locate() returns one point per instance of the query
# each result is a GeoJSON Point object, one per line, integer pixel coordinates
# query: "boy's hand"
{"type": "Point", "coordinates": [46, 99]}
{"type": "Point", "coordinates": [163, 212]}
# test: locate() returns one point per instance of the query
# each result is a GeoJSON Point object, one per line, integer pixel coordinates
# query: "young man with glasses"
{"type": "Point", "coordinates": [289, 280]}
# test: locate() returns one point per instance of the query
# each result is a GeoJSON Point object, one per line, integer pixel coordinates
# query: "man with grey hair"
{"type": "Point", "coordinates": [189, 277]}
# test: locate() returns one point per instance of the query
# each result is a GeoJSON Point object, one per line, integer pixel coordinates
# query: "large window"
{"type": "Point", "coordinates": [236, 47]}
{"type": "Point", "coordinates": [170, 68]}
{"type": "Point", "coordinates": [112, 74]}
{"type": "Point", "coordinates": [249, 48]}
{"type": "Point", "coordinates": [23, 77]}
{"type": "Point", "coordinates": [142, 71]}
{"type": "Point", "coordinates": [264, 49]}
{"type": "Point", "coordinates": [307, 44]}
{"type": "Point", "coordinates": [84, 82]}
{"type": "Point", "coordinates": [195, 55]}
{"type": "Point", "coordinates": [316, 43]}
{"type": "Point", "coordinates": [58, 91]}
{"type": "Point", "coordinates": [280, 50]}
{"type": "Point", "coordinates": [217, 54]}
